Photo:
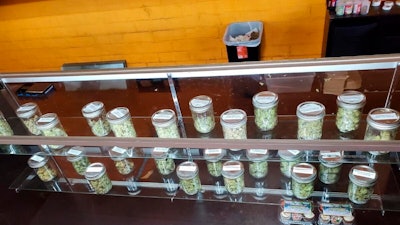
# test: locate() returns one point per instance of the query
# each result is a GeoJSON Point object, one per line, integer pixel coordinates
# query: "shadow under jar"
{"type": "Point", "coordinates": [29, 113]}
{"type": "Point", "coordinates": [361, 184]}
{"type": "Point", "coordinates": [303, 176]}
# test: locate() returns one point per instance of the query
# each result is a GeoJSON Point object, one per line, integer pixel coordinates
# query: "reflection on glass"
{"type": "Point", "coordinates": [220, 190]}
{"type": "Point", "coordinates": [171, 187]}
{"type": "Point", "coordinates": [132, 186]}
{"type": "Point", "coordinates": [260, 192]}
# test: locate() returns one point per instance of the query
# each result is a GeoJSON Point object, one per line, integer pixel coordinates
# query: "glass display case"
{"type": "Point", "coordinates": [101, 139]}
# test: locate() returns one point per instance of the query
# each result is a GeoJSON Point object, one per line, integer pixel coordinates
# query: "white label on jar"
{"type": "Point", "coordinates": [26, 108]}
{"type": "Point", "coordinates": [231, 168]}
{"type": "Point", "coordinates": [92, 107]}
{"type": "Point", "coordinates": [213, 151]}
{"type": "Point", "coordinates": [309, 108]}
{"type": "Point", "coordinates": [327, 155]}
{"type": "Point", "coordinates": [352, 98]}
{"type": "Point", "coordinates": [37, 158]}
{"type": "Point", "coordinates": [74, 152]}
{"type": "Point", "coordinates": [118, 150]}
{"type": "Point", "coordinates": [362, 173]}
{"type": "Point", "coordinates": [45, 119]}
{"type": "Point", "coordinates": [265, 99]}
{"type": "Point", "coordinates": [118, 113]}
{"type": "Point", "coordinates": [199, 102]}
{"type": "Point", "coordinates": [94, 169]}
{"type": "Point", "coordinates": [258, 151]}
{"type": "Point", "coordinates": [163, 116]}
{"type": "Point", "coordinates": [187, 168]}
{"type": "Point", "coordinates": [160, 149]}
{"type": "Point", "coordinates": [294, 152]}
{"type": "Point", "coordinates": [298, 169]}
{"type": "Point", "coordinates": [233, 116]}
{"type": "Point", "coordinates": [384, 116]}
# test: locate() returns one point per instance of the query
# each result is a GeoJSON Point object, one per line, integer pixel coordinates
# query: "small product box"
{"type": "Point", "coordinates": [335, 214]}
{"type": "Point", "coordinates": [296, 212]}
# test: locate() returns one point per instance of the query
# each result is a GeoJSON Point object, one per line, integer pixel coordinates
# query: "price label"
{"type": "Point", "coordinates": [37, 158]}
{"type": "Point", "coordinates": [363, 173]}
{"type": "Point", "coordinates": [265, 99]}
{"type": "Point", "coordinates": [118, 150]}
{"type": "Point", "coordinates": [163, 116]}
{"type": "Point", "coordinates": [294, 152]}
{"type": "Point", "coordinates": [231, 168]}
{"type": "Point", "coordinates": [188, 168]}
{"type": "Point", "coordinates": [310, 108]}
{"type": "Point", "coordinates": [329, 155]}
{"type": "Point", "coordinates": [352, 98]}
{"type": "Point", "coordinates": [233, 116]}
{"type": "Point", "coordinates": [74, 152]}
{"type": "Point", "coordinates": [118, 113]}
{"type": "Point", "coordinates": [213, 151]}
{"type": "Point", "coordinates": [258, 151]}
{"type": "Point", "coordinates": [385, 116]}
{"type": "Point", "coordinates": [46, 119]}
{"type": "Point", "coordinates": [302, 170]}
{"type": "Point", "coordinates": [199, 102]}
{"type": "Point", "coordinates": [160, 149]}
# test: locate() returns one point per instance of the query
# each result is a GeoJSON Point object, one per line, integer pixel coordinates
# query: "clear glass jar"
{"type": "Point", "coordinates": [265, 110]}
{"type": "Point", "coordinates": [303, 176]}
{"type": "Point", "coordinates": [95, 115]}
{"type": "Point", "coordinates": [350, 105]}
{"type": "Point", "coordinates": [310, 120]}
{"type": "Point", "coordinates": [120, 156]}
{"type": "Point", "coordinates": [233, 173]}
{"type": "Point", "coordinates": [29, 113]}
{"type": "Point", "coordinates": [289, 158]}
{"type": "Point", "coordinates": [121, 122]}
{"type": "Point", "coordinates": [213, 160]}
{"type": "Point", "coordinates": [50, 126]}
{"type": "Point", "coordinates": [5, 129]}
{"type": "Point", "coordinates": [97, 176]}
{"type": "Point", "coordinates": [382, 125]}
{"type": "Point", "coordinates": [258, 165]}
{"type": "Point", "coordinates": [361, 184]}
{"type": "Point", "coordinates": [233, 122]}
{"type": "Point", "coordinates": [188, 173]}
{"type": "Point", "coordinates": [202, 111]}
{"type": "Point", "coordinates": [164, 121]}
{"type": "Point", "coordinates": [43, 167]}
{"type": "Point", "coordinates": [76, 155]}
{"type": "Point", "coordinates": [165, 165]}
{"type": "Point", "coordinates": [330, 166]}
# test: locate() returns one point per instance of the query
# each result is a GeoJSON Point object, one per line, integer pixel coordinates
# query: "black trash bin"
{"type": "Point", "coordinates": [248, 50]}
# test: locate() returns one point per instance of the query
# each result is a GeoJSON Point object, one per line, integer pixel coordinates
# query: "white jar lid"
{"type": "Point", "coordinates": [118, 115]}
{"type": "Point", "coordinates": [232, 169]}
{"type": "Point", "coordinates": [160, 152]}
{"type": "Point", "coordinates": [92, 109]}
{"type": "Point", "coordinates": [117, 153]}
{"type": "Point", "coordinates": [213, 155]}
{"type": "Point", "coordinates": [38, 160]}
{"type": "Point", "coordinates": [27, 110]}
{"type": "Point", "coordinates": [257, 154]}
{"type": "Point", "coordinates": [265, 99]}
{"type": "Point", "coordinates": [383, 118]}
{"type": "Point", "coordinates": [47, 121]}
{"type": "Point", "coordinates": [233, 118]}
{"type": "Point", "coordinates": [310, 110]}
{"type": "Point", "coordinates": [187, 170]}
{"type": "Point", "coordinates": [95, 171]}
{"type": "Point", "coordinates": [330, 158]}
{"type": "Point", "coordinates": [363, 175]}
{"type": "Point", "coordinates": [304, 172]}
{"type": "Point", "coordinates": [290, 154]}
{"type": "Point", "coordinates": [200, 104]}
{"type": "Point", "coordinates": [351, 100]}
{"type": "Point", "coordinates": [75, 153]}
{"type": "Point", "coordinates": [163, 118]}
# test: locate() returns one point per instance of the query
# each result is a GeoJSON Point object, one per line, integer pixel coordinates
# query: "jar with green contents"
{"type": "Point", "coordinates": [120, 122]}
{"type": "Point", "coordinates": [95, 115]}
{"type": "Point", "coordinates": [165, 165]}
{"type": "Point", "coordinates": [188, 173]}
{"type": "Point", "coordinates": [97, 176]}
{"type": "Point", "coordinates": [213, 160]}
{"type": "Point", "coordinates": [361, 184]}
{"type": "Point", "coordinates": [233, 173]}
{"type": "Point", "coordinates": [122, 163]}
{"type": "Point", "coordinates": [233, 122]}
{"type": "Point", "coordinates": [50, 126]}
{"type": "Point", "coordinates": [303, 176]}
{"type": "Point", "coordinates": [164, 121]}
{"type": "Point", "coordinates": [289, 158]}
{"type": "Point", "coordinates": [382, 125]}
{"type": "Point", "coordinates": [76, 155]}
{"type": "Point", "coordinates": [350, 105]}
{"type": "Point", "coordinates": [43, 166]}
{"type": "Point", "coordinates": [5, 129]}
{"type": "Point", "coordinates": [202, 111]}
{"type": "Point", "coordinates": [265, 110]}
{"type": "Point", "coordinates": [330, 166]}
{"type": "Point", "coordinates": [310, 120]}
{"type": "Point", "coordinates": [29, 113]}
{"type": "Point", "coordinates": [258, 164]}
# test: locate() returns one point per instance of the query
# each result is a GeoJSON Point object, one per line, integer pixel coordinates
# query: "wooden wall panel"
{"type": "Point", "coordinates": [42, 35]}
